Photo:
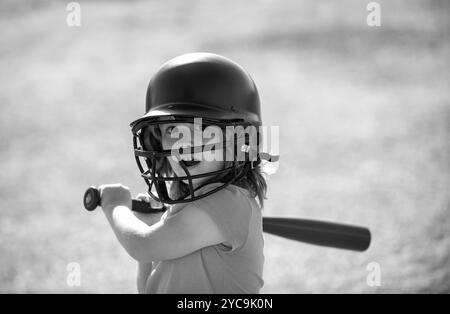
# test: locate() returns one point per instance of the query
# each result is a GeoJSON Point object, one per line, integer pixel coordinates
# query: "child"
{"type": "Point", "coordinates": [210, 239]}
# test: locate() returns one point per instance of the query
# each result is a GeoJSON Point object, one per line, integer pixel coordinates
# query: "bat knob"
{"type": "Point", "coordinates": [91, 198]}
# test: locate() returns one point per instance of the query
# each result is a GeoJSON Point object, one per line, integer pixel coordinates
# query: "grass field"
{"type": "Point", "coordinates": [364, 116]}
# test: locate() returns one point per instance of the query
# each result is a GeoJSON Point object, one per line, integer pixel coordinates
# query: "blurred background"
{"type": "Point", "coordinates": [364, 116]}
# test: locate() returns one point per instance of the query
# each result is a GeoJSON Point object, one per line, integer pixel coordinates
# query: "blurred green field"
{"type": "Point", "coordinates": [364, 116]}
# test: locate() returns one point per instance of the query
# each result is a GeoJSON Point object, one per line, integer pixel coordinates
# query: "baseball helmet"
{"type": "Point", "coordinates": [191, 86]}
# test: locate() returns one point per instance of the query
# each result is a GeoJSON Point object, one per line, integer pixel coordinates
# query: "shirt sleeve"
{"type": "Point", "coordinates": [230, 209]}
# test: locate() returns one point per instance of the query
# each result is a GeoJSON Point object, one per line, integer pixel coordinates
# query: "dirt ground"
{"type": "Point", "coordinates": [364, 116]}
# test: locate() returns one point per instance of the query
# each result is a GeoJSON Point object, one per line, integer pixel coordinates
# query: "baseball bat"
{"type": "Point", "coordinates": [314, 232]}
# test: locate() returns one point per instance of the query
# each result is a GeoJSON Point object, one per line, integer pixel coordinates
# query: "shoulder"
{"type": "Point", "coordinates": [230, 209]}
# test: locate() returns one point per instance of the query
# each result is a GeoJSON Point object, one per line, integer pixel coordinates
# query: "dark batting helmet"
{"type": "Point", "coordinates": [195, 85]}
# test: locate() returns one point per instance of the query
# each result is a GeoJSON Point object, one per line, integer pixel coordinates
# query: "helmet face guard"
{"type": "Point", "coordinates": [152, 159]}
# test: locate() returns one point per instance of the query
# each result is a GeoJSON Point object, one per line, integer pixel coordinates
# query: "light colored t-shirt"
{"type": "Point", "coordinates": [234, 267]}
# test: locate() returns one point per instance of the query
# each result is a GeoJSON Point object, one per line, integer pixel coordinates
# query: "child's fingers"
{"type": "Point", "coordinates": [148, 199]}
{"type": "Point", "coordinates": [114, 194]}
{"type": "Point", "coordinates": [143, 197]}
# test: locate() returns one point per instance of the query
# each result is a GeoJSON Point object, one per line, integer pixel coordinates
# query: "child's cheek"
{"type": "Point", "coordinates": [167, 143]}
{"type": "Point", "coordinates": [210, 166]}
{"type": "Point", "coordinates": [174, 165]}
{"type": "Point", "coordinates": [213, 155]}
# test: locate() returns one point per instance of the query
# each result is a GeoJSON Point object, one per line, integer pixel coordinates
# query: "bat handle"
{"type": "Point", "coordinates": [92, 199]}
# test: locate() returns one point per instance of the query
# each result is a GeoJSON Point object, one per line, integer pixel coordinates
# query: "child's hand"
{"type": "Point", "coordinates": [148, 199]}
{"type": "Point", "coordinates": [152, 218]}
{"type": "Point", "coordinates": [113, 195]}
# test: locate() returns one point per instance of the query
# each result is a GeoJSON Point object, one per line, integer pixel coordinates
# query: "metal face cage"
{"type": "Point", "coordinates": [151, 159]}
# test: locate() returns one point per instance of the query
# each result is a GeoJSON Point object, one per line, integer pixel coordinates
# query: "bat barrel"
{"type": "Point", "coordinates": [319, 233]}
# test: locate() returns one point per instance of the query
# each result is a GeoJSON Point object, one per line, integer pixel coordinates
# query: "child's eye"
{"type": "Point", "coordinates": [169, 129]}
